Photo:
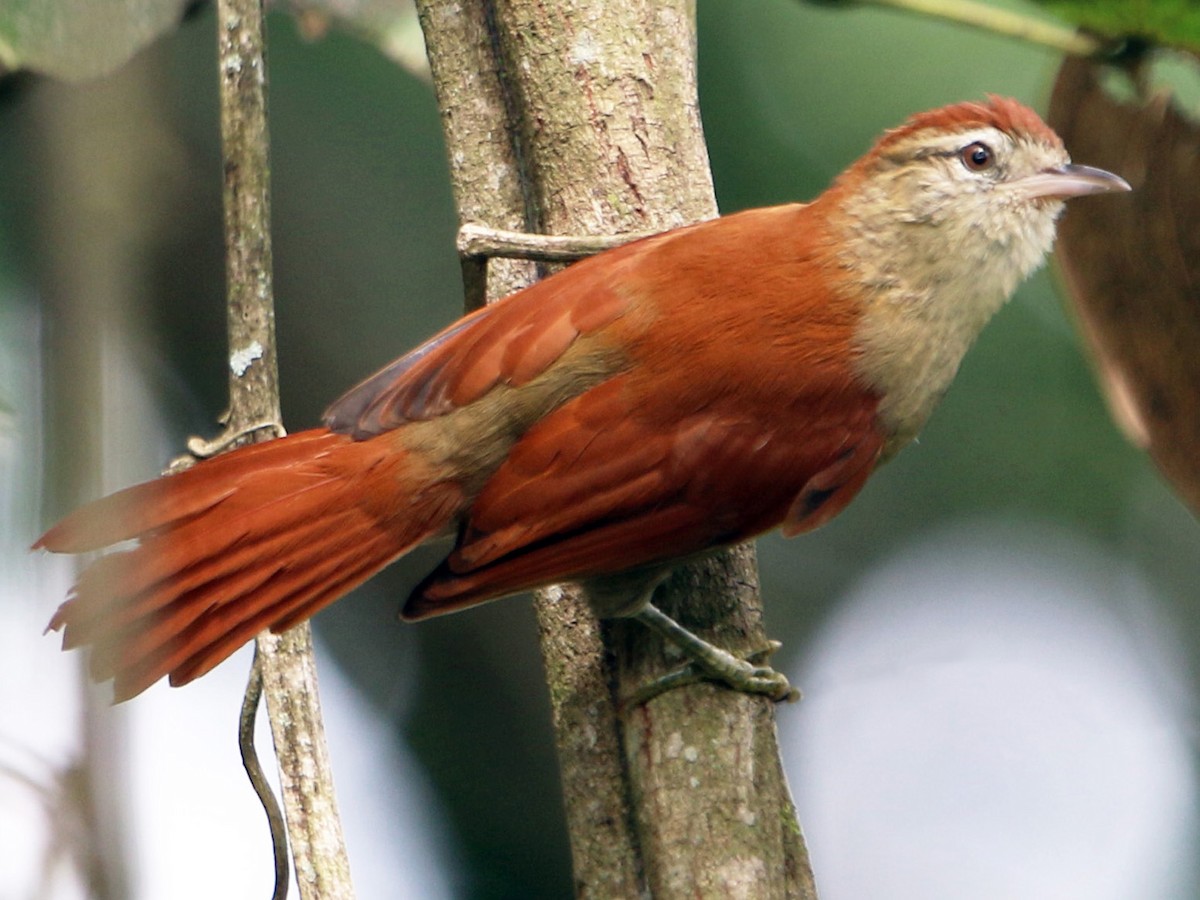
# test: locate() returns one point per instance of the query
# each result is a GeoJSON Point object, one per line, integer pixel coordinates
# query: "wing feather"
{"type": "Point", "coordinates": [510, 342]}
{"type": "Point", "coordinates": [599, 487]}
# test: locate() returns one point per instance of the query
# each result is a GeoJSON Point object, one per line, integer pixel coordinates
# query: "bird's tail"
{"type": "Point", "coordinates": [258, 538]}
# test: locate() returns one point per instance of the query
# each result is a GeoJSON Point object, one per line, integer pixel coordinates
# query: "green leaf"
{"type": "Point", "coordinates": [390, 25]}
{"type": "Point", "coordinates": [80, 39]}
{"type": "Point", "coordinates": [1174, 23]}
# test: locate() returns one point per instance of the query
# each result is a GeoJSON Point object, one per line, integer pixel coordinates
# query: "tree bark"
{"type": "Point", "coordinates": [288, 671]}
{"type": "Point", "coordinates": [490, 187]}
{"type": "Point", "coordinates": [581, 117]}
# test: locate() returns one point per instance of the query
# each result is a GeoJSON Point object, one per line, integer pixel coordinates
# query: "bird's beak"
{"type": "Point", "coordinates": [1063, 182]}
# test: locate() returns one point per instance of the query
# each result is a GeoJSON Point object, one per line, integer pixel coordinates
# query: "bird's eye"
{"type": "Point", "coordinates": [978, 157]}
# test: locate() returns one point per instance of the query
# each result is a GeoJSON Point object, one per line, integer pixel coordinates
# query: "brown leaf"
{"type": "Point", "coordinates": [1131, 264]}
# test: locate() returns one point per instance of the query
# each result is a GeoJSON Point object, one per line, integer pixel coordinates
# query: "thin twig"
{"type": "Point", "coordinates": [287, 667]}
{"type": "Point", "coordinates": [1006, 22]}
{"type": "Point", "coordinates": [482, 241]}
{"type": "Point", "coordinates": [258, 779]}
{"type": "Point", "coordinates": [479, 243]}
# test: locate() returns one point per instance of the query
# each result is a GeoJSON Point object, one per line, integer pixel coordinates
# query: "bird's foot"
{"type": "Point", "coordinates": [709, 663]}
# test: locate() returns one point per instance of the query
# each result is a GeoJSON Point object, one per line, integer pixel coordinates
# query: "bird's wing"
{"type": "Point", "coordinates": [510, 342]}
{"type": "Point", "coordinates": [599, 487]}
{"type": "Point", "coordinates": [523, 336]}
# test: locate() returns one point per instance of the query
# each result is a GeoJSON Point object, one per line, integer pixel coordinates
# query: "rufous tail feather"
{"type": "Point", "coordinates": [259, 538]}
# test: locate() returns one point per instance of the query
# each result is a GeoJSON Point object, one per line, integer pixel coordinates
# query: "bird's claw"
{"type": "Point", "coordinates": [757, 679]}
{"type": "Point", "coordinates": [764, 653]}
{"type": "Point", "coordinates": [710, 663]}
{"type": "Point", "coordinates": [745, 675]}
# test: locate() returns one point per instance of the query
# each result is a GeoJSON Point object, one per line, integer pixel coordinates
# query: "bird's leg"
{"type": "Point", "coordinates": [709, 663]}
{"type": "Point", "coordinates": [692, 673]}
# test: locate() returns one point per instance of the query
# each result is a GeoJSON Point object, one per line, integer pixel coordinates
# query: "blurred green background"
{"type": "Point", "coordinates": [365, 268]}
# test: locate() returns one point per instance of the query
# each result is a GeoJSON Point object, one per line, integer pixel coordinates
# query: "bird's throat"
{"type": "Point", "coordinates": [926, 284]}
{"type": "Point", "coordinates": [911, 353]}
{"type": "Point", "coordinates": [920, 316]}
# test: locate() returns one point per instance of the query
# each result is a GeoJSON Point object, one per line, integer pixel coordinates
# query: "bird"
{"type": "Point", "coordinates": [675, 395]}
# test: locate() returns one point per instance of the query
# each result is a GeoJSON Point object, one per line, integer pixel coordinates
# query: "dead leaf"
{"type": "Point", "coordinates": [1131, 264]}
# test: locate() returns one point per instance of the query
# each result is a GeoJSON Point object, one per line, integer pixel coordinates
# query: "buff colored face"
{"type": "Point", "coordinates": [939, 235]}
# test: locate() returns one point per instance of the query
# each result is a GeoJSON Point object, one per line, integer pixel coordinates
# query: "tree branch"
{"type": "Point", "coordinates": [288, 670]}
{"type": "Point", "coordinates": [481, 241]}
{"type": "Point", "coordinates": [487, 172]}
{"type": "Point", "coordinates": [584, 114]}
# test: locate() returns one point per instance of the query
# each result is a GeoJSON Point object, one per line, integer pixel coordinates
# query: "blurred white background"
{"type": "Point", "coordinates": [993, 713]}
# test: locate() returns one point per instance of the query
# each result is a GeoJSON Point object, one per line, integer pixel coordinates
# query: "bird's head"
{"type": "Point", "coordinates": [933, 230]}
{"type": "Point", "coordinates": [969, 190]}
